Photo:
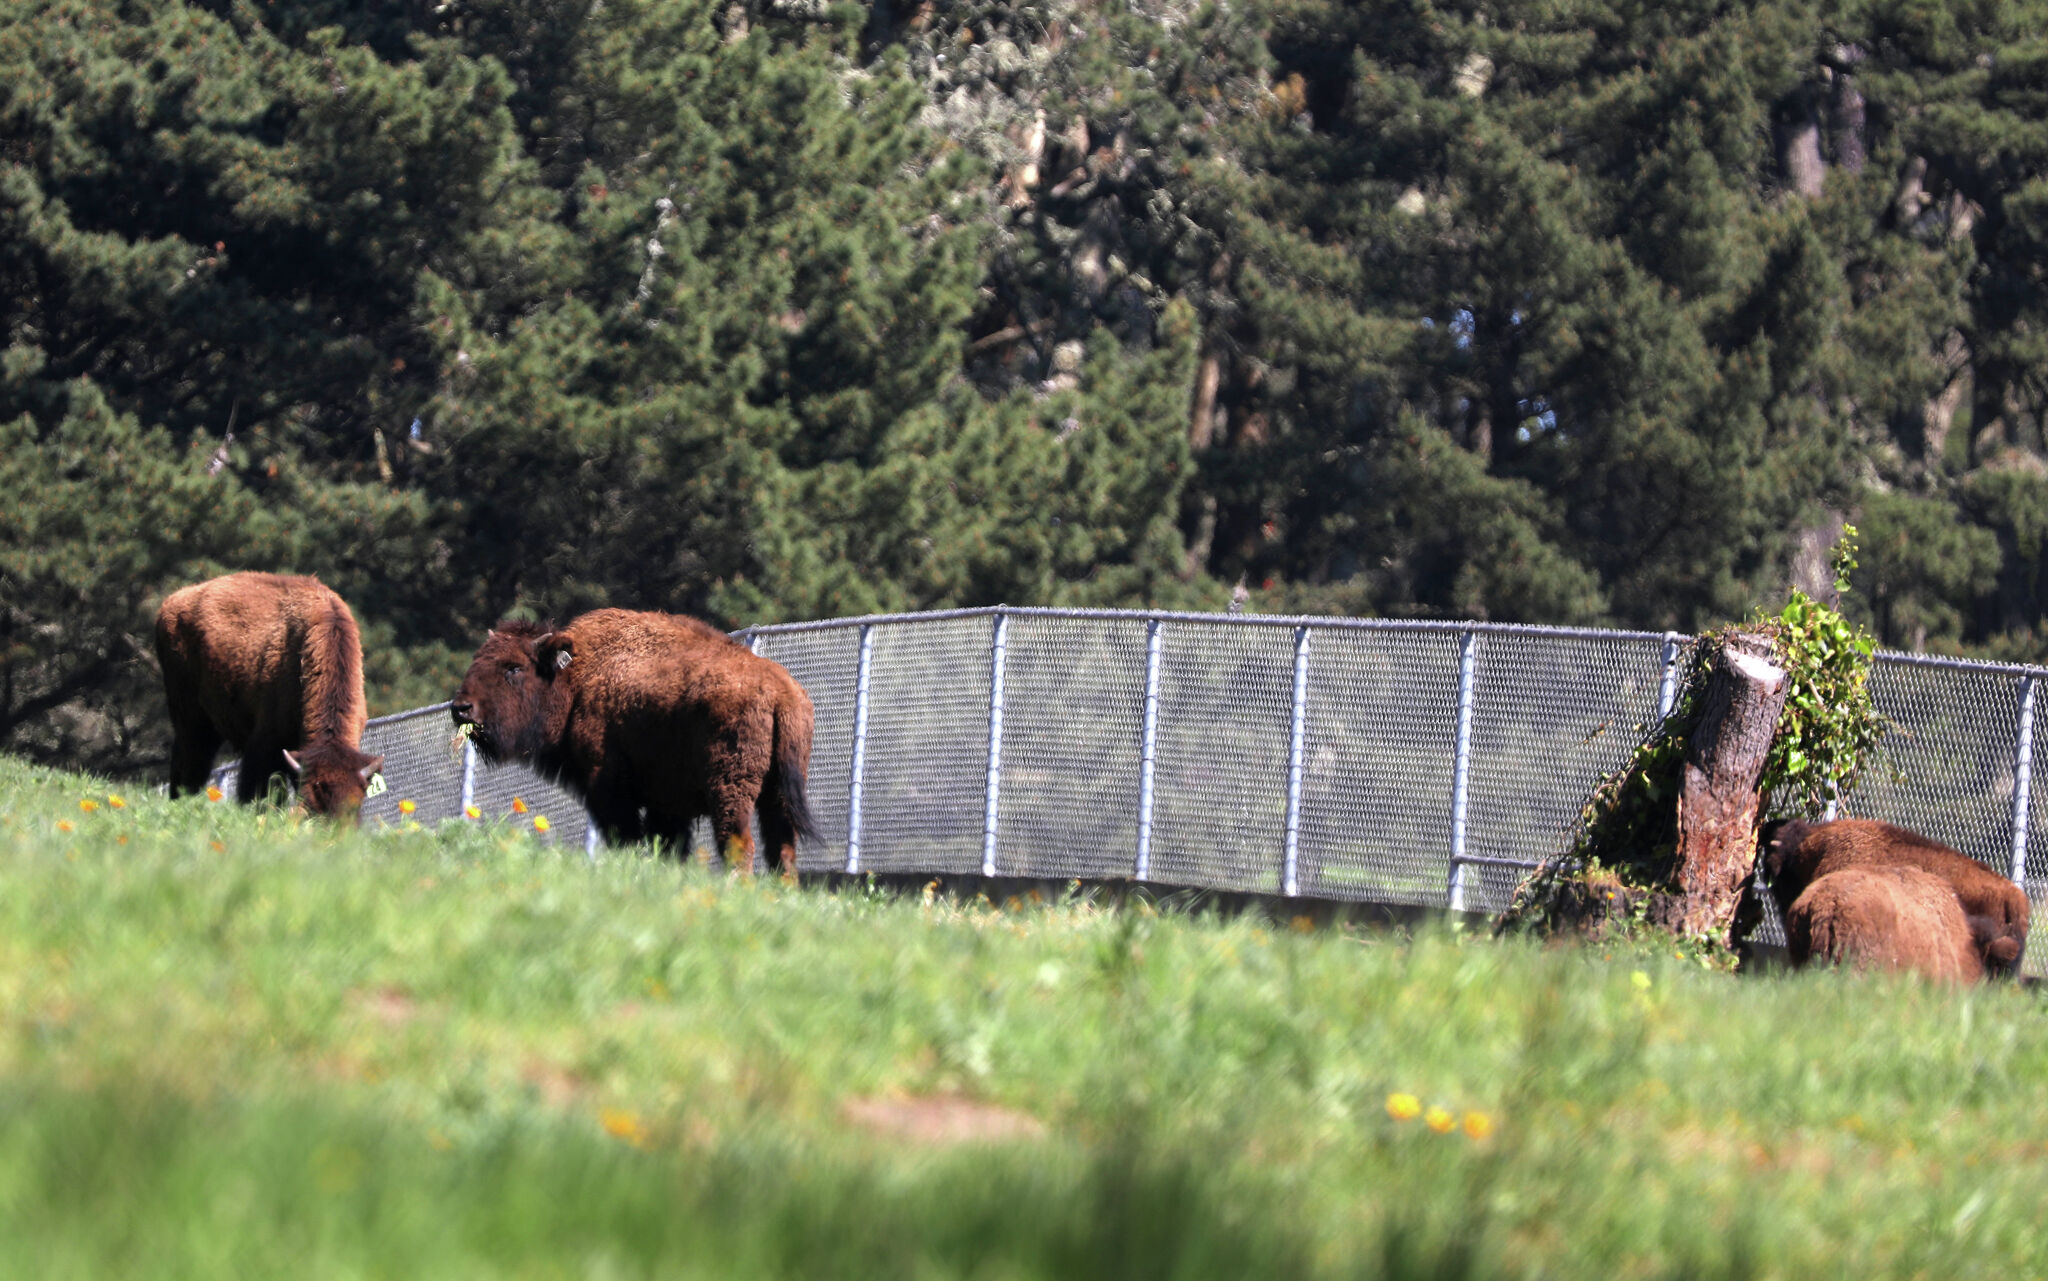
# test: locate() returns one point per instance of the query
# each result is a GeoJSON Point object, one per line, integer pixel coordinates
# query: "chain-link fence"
{"type": "Point", "coordinates": [1361, 759]}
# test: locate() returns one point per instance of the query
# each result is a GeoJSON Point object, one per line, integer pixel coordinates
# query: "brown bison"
{"type": "Point", "coordinates": [653, 720]}
{"type": "Point", "coordinates": [1798, 854]}
{"type": "Point", "coordinates": [269, 664]}
{"type": "Point", "coordinates": [1889, 917]}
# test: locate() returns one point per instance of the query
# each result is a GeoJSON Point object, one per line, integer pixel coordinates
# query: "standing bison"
{"type": "Point", "coordinates": [267, 663]}
{"type": "Point", "coordinates": [653, 720]}
{"type": "Point", "coordinates": [1991, 910]}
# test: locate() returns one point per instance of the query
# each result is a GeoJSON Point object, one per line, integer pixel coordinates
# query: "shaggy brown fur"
{"type": "Point", "coordinates": [1892, 917]}
{"type": "Point", "coordinates": [653, 719]}
{"type": "Point", "coordinates": [267, 663]}
{"type": "Point", "coordinates": [1798, 853]}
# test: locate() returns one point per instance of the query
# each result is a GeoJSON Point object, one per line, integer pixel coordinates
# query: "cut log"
{"type": "Point", "coordinates": [1718, 802]}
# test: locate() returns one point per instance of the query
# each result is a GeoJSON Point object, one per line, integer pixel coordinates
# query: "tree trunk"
{"type": "Point", "coordinates": [1939, 413]}
{"type": "Point", "coordinates": [1202, 416]}
{"type": "Point", "coordinates": [1717, 806]}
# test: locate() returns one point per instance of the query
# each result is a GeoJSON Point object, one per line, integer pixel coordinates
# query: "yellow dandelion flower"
{"type": "Point", "coordinates": [88, 806]}
{"type": "Point", "coordinates": [215, 794]}
{"type": "Point", "coordinates": [1478, 1125]}
{"type": "Point", "coordinates": [518, 806]}
{"type": "Point", "coordinates": [621, 1124]}
{"type": "Point", "coordinates": [64, 825]}
{"type": "Point", "coordinates": [406, 807]}
{"type": "Point", "coordinates": [1439, 1120]}
{"type": "Point", "coordinates": [540, 823]}
{"type": "Point", "coordinates": [471, 811]}
{"type": "Point", "coordinates": [1403, 1107]}
{"type": "Point", "coordinates": [115, 802]}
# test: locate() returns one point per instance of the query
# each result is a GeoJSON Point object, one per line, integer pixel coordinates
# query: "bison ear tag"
{"type": "Point", "coordinates": [375, 787]}
{"type": "Point", "coordinates": [561, 659]}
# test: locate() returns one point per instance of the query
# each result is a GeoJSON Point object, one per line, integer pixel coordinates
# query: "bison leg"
{"type": "Point", "coordinates": [193, 745]}
{"type": "Point", "coordinates": [732, 829]}
{"type": "Point", "coordinates": [670, 832]}
{"type": "Point", "coordinates": [260, 760]}
{"type": "Point", "coordinates": [614, 808]}
{"type": "Point", "coordinates": [778, 839]}
{"type": "Point", "coordinates": [620, 823]}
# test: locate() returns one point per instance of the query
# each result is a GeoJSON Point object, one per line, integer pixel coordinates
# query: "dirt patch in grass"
{"type": "Point", "coordinates": [942, 1119]}
{"type": "Point", "coordinates": [389, 1006]}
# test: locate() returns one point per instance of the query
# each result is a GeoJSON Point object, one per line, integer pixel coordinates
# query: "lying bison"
{"type": "Point", "coordinates": [1992, 909]}
{"type": "Point", "coordinates": [1888, 917]}
{"type": "Point", "coordinates": [653, 720]}
{"type": "Point", "coordinates": [267, 663]}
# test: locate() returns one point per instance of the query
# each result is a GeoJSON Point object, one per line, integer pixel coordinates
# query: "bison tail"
{"type": "Point", "coordinates": [786, 777]}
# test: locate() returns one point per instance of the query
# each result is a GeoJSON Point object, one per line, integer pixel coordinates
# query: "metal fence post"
{"type": "Point", "coordinates": [1667, 688]}
{"type": "Point", "coordinates": [993, 791]}
{"type": "Point", "coordinates": [1148, 740]}
{"type": "Point", "coordinates": [2022, 781]}
{"type": "Point", "coordinates": [468, 773]}
{"type": "Point", "coordinates": [859, 769]}
{"type": "Point", "coordinates": [1461, 767]}
{"type": "Point", "coordinates": [1290, 865]}
{"type": "Point", "coordinates": [592, 842]}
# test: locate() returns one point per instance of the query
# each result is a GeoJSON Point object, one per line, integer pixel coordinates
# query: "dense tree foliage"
{"type": "Point", "coordinates": [767, 309]}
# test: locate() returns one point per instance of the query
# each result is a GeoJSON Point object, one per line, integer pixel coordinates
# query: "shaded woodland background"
{"type": "Point", "coordinates": [775, 309]}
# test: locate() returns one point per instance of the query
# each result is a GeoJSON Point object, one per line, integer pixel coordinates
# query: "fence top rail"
{"type": "Point", "coordinates": [1190, 616]}
{"type": "Point", "coordinates": [1334, 622]}
{"type": "Point", "coordinates": [408, 714]}
{"type": "Point", "coordinates": [1984, 665]}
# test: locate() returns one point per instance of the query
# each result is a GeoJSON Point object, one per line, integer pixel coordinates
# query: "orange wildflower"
{"type": "Point", "coordinates": [214, 794]}
{"type": "Point", "coordinates": [621, 1124]}
{"type": "Point", "coordinates": [1439, 1120]}
{"type": "Point", "coordinates": [1478, 1125]}
{"type": "Point", "coordinates": [471, 811]}
{"type": "Point", "coordinates": [64, 825]}
{"type": "Point", "coordinates": [406, 807]}
{"type": "Point", "coordinates": [518, 806]}
{"type": "Point", "coordinates": [1403, 1107]}
{"type": "Point", "coordinates": [115, 802]}
{"type": "Point", "coordinates": [540, 823]}
{"type": "Point", "coordinates": [88, 806]}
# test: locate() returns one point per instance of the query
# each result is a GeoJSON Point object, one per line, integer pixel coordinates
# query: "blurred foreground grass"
{"type": "Point", "coordinates": [232, 1044]}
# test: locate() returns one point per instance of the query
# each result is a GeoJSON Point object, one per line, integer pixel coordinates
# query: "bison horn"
{"type": "Point", "coordinates": [370, 771]}
{"type": "Point", "coordinates": [292, 763]}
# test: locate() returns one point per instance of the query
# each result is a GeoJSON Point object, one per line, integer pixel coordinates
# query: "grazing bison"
{"type": "Point", "coordinates": [267, 663]}
{"type": "Point", "coordinates": [1889, 917]}
{"type": "Point", "coordinates": [653, 720]}
{"type": "Point", "coordinates": [1799, 853]}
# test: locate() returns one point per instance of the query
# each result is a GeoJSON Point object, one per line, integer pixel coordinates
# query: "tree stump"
{"type": "Point", "coordinates": [1717, 805]}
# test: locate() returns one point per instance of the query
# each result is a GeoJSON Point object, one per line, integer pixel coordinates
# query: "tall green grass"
{"type": "Point", "coordinates": [233, 1044]}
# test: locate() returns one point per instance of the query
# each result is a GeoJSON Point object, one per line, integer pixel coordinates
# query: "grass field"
{"type": "Point", "coordinates": [236, 1045]}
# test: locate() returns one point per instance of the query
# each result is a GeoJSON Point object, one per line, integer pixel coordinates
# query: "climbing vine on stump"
{"type": "Point", "coordinates": [1623, 871]}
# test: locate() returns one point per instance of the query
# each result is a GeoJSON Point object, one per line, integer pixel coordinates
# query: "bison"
{"type": "Point", "coordinates": [268, 663]}
{"type": "Point", "coordinates": [1886, 916]}
{"type": "Point", "coordinates": [1798, 854]}
{"type": "Point", "coordinates": [652, 719]}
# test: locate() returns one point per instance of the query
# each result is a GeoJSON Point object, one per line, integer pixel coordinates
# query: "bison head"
{"type": "Point", "coordinates": [1777, 842]}
{"type": "Point", "coordinates": [512, 690]}
{"type": "Point", "coordinates": [332, 778]}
